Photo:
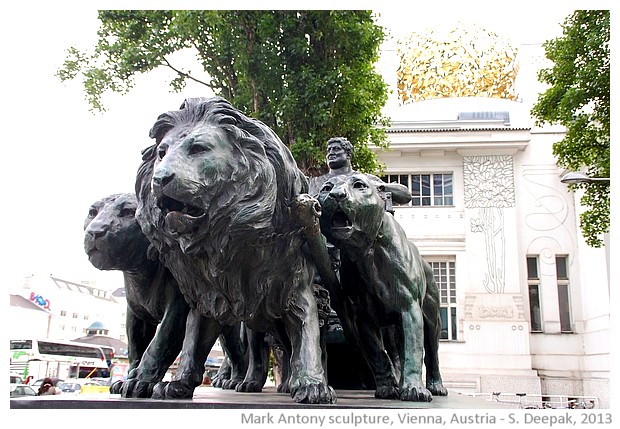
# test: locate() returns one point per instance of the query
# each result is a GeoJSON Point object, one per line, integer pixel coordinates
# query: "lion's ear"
{"type": "Point", "coordinates": [380, 187]}
{"type": "Point", "coordinates": [149, 152]}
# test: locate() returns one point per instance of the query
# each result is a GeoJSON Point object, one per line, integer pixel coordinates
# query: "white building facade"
{"type": "Point", "coordinates": [525, 302]}
{"type": "Point", "coordinates": [71, 308]}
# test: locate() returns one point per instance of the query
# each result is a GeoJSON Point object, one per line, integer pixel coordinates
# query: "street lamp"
{"type": "Point", "coordinates": [575, 177]}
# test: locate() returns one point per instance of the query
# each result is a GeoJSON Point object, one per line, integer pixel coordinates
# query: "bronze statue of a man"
{"type": "Point", "coordinates": [339, 154]}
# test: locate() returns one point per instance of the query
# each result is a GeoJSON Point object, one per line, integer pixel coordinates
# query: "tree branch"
{"type": "Point", "coordinates": [184, 74]}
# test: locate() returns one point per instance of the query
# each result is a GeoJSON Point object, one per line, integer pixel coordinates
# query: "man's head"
{"type": "Point", "coordinates": [339, 153]}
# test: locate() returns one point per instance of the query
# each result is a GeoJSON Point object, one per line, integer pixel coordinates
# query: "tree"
{"type": "Point", "coordinates": [579, 99]}
{"type": "Point", "coordinates": [309, 75]}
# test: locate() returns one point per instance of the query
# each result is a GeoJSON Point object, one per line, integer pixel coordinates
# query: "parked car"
{"type": "Point", "coordinates": [102, 380]}
{"type": "Point", "coordinates": [70, 387]}
{"type": "Point", "coordinates": [16, 379]}
{"type": "Point", "coordinates": [18, 390]}
{"type": "Point", "coordinates": [36, 384]}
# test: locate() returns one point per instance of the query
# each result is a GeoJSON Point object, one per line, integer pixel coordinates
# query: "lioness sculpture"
{"type": "Point", "coordinates": [113, 240]}
{"type": "Point", "coordinates": [386, 283]}
{"type": "Point", "coordinates": [213, 195]}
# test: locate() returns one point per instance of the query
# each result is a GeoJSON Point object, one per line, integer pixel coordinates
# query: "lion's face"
{"type": "Point", "coordinates": [113, 239]}
{"type": "Point", "coordinates": [198, 175]}
{"type": "Point", "coordinates": [352, 209]}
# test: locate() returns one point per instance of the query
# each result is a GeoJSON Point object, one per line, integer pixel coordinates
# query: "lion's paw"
{"type": "Point", "coordinates": [249, 386]}
{"type": "Point", "coordinates": [231, 384]}
{"type": "Point", "coordinates": [219, 380]}
{"type": "Point", "coordinates": [415, 394]}
{"type": "Point", "coordinates": [172, 390]}
{"type": "Point", "coordinates": [315, 393]}
{"type": "Point", "coordinates": [283, 387]}
{"type": "Point", "coordinates": [221, 377]}
{"type": "Point", "coordinates": [135, 388]}
{"type": "Point", "coordinates": [386, 392]}
{"type": "Point", "coordinates": [116, 387]}
{"type": "Point", "coordinates": [437, 389]}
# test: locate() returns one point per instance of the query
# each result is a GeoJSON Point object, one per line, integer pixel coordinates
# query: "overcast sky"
{"type": "Point", "coordinates": [61, 157]}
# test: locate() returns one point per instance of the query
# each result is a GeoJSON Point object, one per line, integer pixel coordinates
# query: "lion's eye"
{"type": "Point", "coordinates": [92, 212]}
{"type": "Point", "coordinates": [161, 152]}
{"type": "Point", "coordinates": [359, 185]}
{"type": "Point", "coordinates": [327, 187]}
{"type": "Point", "coordinates": [127, 212]}
{"type": "Point", "coordinates": [199, 147]}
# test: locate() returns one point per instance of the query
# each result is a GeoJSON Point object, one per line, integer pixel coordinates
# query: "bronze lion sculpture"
{"type": "Point", "coordinates": [387, 284]}
{"type": "Point", "coordinates": [113, 240]}
{"type": "Point", "coordinates": [213, 195]}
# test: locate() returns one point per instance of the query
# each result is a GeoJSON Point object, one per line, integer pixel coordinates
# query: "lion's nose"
{"type": "Point", "coordinates": [338, 194]}
{"type": "Point", "coordinates": [97, 234]}
{"type": "Point", "coordinates": [96, 229]}
{"type": "Point", "coordinates": [160, 181]}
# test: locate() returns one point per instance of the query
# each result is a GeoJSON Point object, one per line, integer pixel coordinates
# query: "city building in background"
{"type": "Point", "coordinates": [524, 301]}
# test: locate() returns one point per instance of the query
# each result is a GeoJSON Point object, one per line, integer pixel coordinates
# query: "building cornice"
{"type": "Point", "coordinates": [464, 139]}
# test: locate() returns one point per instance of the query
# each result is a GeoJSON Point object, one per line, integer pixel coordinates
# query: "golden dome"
{"type": "Point", "coordinates": [465, 62]}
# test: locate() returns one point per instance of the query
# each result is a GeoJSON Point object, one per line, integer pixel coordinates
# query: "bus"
{"type": "Point", "coordinates": [59, 359]}
{"type": "Point", "coordinates": [108, 351]}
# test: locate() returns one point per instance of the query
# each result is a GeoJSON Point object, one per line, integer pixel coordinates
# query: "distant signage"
{"type": "Point", "coordinates": [119, 372]}
{"type": "Point", "coordinates": [38, 299]}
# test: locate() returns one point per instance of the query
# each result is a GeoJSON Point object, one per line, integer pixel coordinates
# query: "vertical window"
{"type": "Point", "coordinates": [442, 189]}
{"type": "Point", "coordinates": [421, 190]}
{"type": "Point", "coordinates": [426, 189]}
{"type": "Point", "coordinates": [445, 277]}
{"type": "Point", "coordinates": [561, 268]}
{"type": "Point", "coordinates": [63, 312]}
{"type": "Point", "coordinates": [533, 285]}
{"type": "Point", "coordinates": [75, 315]}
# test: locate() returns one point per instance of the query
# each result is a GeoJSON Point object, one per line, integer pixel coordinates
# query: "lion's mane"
{"type": "Point", "coordinates": [245, 261]}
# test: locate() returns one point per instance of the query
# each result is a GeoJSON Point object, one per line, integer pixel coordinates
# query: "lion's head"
{"type": "Point", "coordinates": [352, 211]}
{"type": "Point", "coordinates": [214, 173]}
{"type": "Point", "coordinates": [113, 239]}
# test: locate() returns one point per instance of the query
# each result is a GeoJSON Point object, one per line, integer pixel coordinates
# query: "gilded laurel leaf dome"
{"type": "Point", "coordinates": [467, 61]}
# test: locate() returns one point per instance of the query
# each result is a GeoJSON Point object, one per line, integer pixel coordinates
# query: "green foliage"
{"type": "Point", "coordinates": [579, 99]}
{"type": "Point", "coordinates": [309, 75]}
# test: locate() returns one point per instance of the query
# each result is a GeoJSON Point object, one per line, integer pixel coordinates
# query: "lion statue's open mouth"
{"type": "Point", "coordinates": [341, 225]}
{"type": "Point", "coordinates": [177, 216]}
{"type": "Point", "coordinates": [168, 205]}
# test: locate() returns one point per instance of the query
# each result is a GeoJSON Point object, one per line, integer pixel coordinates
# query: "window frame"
{"type": "Point", "coordinates": [533, 283]}
{"type": "Point", "coordinates": [407, 179]}
{"type": "Point", "coordinates": [448, 295]}
{"type": "Point", "coordinates": [564, 296]}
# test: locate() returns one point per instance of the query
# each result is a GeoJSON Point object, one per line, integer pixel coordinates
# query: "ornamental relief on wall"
{"type": "Point", "coordinates": [489, 187]}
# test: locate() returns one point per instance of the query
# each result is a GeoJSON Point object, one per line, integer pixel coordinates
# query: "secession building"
{"type": "Point", "coordinates": [524, 301]}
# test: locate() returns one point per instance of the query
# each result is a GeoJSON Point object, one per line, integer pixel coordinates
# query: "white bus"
{"type": "Point", "coordinates": [109, 354]}
{"type": "Point", "coordinates": [60, 359]}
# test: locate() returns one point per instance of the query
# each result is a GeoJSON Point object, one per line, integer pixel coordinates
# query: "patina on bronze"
{"type": "Point", "coordinates": [213, 195]}
{"type": "Point", "coordinates": [386, 283]}
{"type": "Point", "coordinates": [113, 240]}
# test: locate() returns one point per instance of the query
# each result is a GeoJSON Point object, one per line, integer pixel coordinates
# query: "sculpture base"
{"type": "Point", "coordinates": [214, 398]}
